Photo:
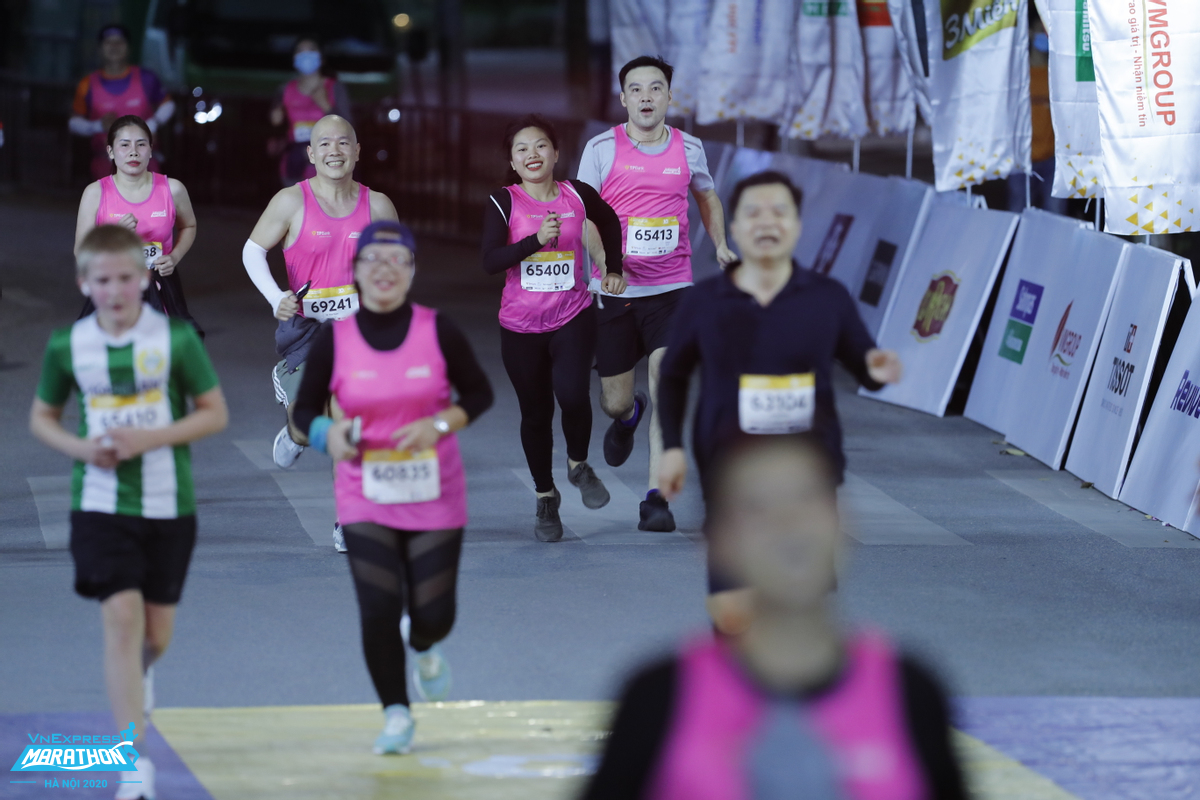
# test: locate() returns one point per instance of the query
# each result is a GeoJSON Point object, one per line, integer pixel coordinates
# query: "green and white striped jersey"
{"type": "Point", "coordinates": [142, 379]}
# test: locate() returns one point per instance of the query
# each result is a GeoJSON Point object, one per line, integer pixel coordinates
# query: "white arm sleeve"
{"type": "Point", "coordinates": [254, 258]}
{"type": "Point", "coordinates": [85, 127]}
{"type": "Point", "coordinates": [163, 115]}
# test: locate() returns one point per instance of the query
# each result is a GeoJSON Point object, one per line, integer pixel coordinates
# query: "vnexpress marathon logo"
{"type": "Point", "coordinates": [59, 752]}
{"type": "Point", "coordinates": [1015, 339]}
{"type": "Point", "coordinates": [1066, 345]}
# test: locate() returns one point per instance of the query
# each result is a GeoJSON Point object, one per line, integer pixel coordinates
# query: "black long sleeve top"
{"type": "Point", "coordinates": [387, 332]}
{"type": "Point", "coordinates": [647, 708]}
{"type": "Point", "coordinates": [718, 327]}
{"type": "Point", "coordinates": [499, 255]}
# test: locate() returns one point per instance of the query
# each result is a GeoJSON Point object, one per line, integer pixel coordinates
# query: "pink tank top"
{"type": "Point", "coordinates": [718, 711]}
{"type": "Point", "coordinates": [549, 288]}
{"type": "Point", "coordinates": [131, 101]}
{"type": "Point", "coordinates": [390, 389]}
{"type": "Point", "coordinates": [302, 111]}
{"type": "Point", "coordinates": [650, 195]}
{"type": "Point", "coordinates": [155, 215]}
{"type": "Point", "coordinates": [324, 251]}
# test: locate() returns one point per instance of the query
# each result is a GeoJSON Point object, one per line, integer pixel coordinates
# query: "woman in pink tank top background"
{"type": "Point", "coordinates": [299, 104]}
{"type": "Point", "coordinates": [394, 369]}
{"type": "Point", "coordinates": [795, 705]}
{"type": "Point", "coordinates": [155, 207]}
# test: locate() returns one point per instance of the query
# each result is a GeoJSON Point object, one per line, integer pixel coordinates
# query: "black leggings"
{"type": "Point", "coordinates": [545, 366]}
{"type": "Point", "coordinates": [393, 569]}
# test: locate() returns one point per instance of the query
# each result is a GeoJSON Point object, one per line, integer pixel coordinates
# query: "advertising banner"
{"type": "Point", "coordinates": [639, 28]}
{"type": "Point", "coordinates": [939, 301]}
{"type": "Point", "coordinates": [1112, 406]}
{"type": "Point", "coordinates": [828, 73]}
{"type": "Point", "coordinates": [890, 105]}
{"type": "Point", "coordinates": [686, 35]}
{"type": "Point", "coordinates": [1164, 474]}
{"type": "Point", "coordinates": [1073, 103]}
{"type": "Point", "coordinates": [975, 57]}
{"type": "Point", "coordinates": [747, 49]}
{"type": "Point", "coordinates": [873, 281]}
{"type": "Point", "coordinates": [1061, 346]}
{"type": "Point", "coordinates": [1044, 245]}
{"type": "Point", "coordinates": [1147, 60]}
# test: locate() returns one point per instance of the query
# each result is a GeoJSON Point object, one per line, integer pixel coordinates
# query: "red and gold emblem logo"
{"type": "Point", "coordinates": [935, 306]}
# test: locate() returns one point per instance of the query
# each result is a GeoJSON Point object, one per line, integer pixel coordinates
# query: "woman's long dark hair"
{"type": "Point", "coordinates": [516, 126]}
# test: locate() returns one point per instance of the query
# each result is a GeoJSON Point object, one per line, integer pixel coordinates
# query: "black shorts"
{"type": "Point", "coordinates": [115, 552]}
{"type": "Point", "coordinates": [629, 329]}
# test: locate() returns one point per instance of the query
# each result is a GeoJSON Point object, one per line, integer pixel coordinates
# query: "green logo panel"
{"type": "Point", "coordinates": [1015, 341]}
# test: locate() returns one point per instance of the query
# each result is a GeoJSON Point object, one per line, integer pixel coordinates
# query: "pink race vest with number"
{"type": "Point", "coordinates": [655, 188]}
{"type": "Point", "coordinates": [155, 215]}
{"type": "Point", "coordinates": [131, 101]}
{"type": "Point", "coordinates": [522, 308]}
{"type": "Point", "coordinates": [718, 711]}
{"type": "Point", "coordinates": [390, 389]}
{"type": "Point", "coordinates": [301, 108]}
{"type": "Point", "coordinates": [324, 251]}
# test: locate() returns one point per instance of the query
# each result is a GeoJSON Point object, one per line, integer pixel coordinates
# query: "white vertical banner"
{"type": "Point", "coordinates": [890, 105]}
{"type": "Point", "coordinates": [1078, 159]}
{"type": "Point", "coordinates": [1164, 474]}
{"type": "Point", "coordinates": [686, 34]}
{"type": "Point", "coordinates": [976, 53]}
{"type": "Point", "coordinates": [936, 308]}
{"type": "Point", "coordinates": [1112, 406]}
{"type": "Point", "coordinates": [913, 46]}
{"type": "Point", "coordinates": [639, 28]}
{"type": "Point", "coordinates": [747, 51]}
{"type": "Point", "coordinates": [1147, 58]}
{"type": "Point", "coordinates": [827, 76]}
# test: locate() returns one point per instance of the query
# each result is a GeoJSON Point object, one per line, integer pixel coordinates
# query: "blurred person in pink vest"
{"type": "Point", "coordinates": [299, 103]}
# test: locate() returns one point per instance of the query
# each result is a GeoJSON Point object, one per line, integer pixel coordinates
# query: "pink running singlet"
{"type": "Point", "coordinates": [324, 254]}
{"type": "Point", "coordinates": [302, 111]}
{"type": "Point", "coordinates": [390, 389]}
{"type": "Point", "coordinates": [131, 101]}
{"type": "Point", "coordinates": [549, 288]}
{"type": "Point", "coordinates": [718, 711]}
{"type": "Point", "coordinates": [650, 195]}
{"type": "Point", "coordinates": [155, 215]}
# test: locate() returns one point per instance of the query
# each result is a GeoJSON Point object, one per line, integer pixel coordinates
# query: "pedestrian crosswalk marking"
{"type": "Point", "coordinates": [310, 493]}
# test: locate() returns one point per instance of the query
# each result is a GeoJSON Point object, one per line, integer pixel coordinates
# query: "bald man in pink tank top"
{"type": "Point", "coordinates": [317, 221]}
{"type": "Point", "coordinates": [645, 170]}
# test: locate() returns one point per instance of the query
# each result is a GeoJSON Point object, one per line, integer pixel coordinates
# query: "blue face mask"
{"type": "Point", "coordinates": [1041, 43]}
{"type": "Point", "coordinates": [307, 61]}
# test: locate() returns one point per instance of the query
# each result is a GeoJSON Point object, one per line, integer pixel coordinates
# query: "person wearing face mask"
{"type": "Point", "coordinates": [318, 221]}
{"type": "Point", "coordinates": [799, 705]}
{"type": "Point", "coordinates": [534, 232]}
{"type": "Point", "coordinates": [394, 369]}
{"type": "Point", "coordinates": [155, 207]}
{"type": "Point", "coordinates": [116, 89]}
{"type": "Point", "coordinates": [300, 103]}
{"type": "Point", "coordinates": [645, 170]}
{"type": "Point", "coordinates": [765, 335]}
{"type": "Point", "coordinates": [133, 505]}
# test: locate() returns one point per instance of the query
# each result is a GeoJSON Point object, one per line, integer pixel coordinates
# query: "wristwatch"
{"type": "Point", "coordinates": [441, 426]}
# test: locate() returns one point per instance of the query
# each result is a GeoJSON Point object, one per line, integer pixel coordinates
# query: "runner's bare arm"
{"type": "Point", "coordinates": [209, 416]}
{"type": "Point", "coordinates": [89, 204]}
{"type": "Point", "coordinates": [45, 423]}
{"type": "Point", "coordinates": [185, 229]}
{"type": "Point", "coordinates": [382, 208]}
{"type": "Point", "coordinates": [272, 228]}
{"type": "Point", "coordinates": [712, 214]}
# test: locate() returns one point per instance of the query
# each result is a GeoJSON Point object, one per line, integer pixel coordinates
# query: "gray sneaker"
{"type": "Point", "coordinates": [591, 488]}
{"type": "Point", "coordinates": [548, 527]}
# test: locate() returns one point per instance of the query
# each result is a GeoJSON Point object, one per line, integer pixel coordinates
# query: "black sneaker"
{"type": "Point", "coordinates": [591, 488]}
{"type": "Point", "coordinates": [548, 527]}
{"type": "Point", "coordinates": [655, 514]}
{"type": "Point", "coordinates": [618, 439]}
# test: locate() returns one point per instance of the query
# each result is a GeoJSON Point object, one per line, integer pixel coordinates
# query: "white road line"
{"type": "Point", "coordinates": [53, 498]}
{"type": "Point", "coordinates": [1061, 493]}
{"type": "Point", "coordinates": [310, 493]}
{"type": "Point", "coordinates": [616, 523]}
{"type": "Point", "coordinates": [874, 518]}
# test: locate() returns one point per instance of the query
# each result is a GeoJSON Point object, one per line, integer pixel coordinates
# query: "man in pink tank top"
{"type": "Point", "coordinates": [645, 170]}
{"type": "Point", "coordinates": [318, 222]}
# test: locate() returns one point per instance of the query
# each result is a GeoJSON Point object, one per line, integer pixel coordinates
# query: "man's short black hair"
{"type": "Point", "coordinates": [110, 29]}
{"type": "Point", "coordinates": [647, 61]}
{"type": "Point", "coordinates": [770, 177]}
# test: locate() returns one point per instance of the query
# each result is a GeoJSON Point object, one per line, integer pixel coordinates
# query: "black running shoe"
{"type": "Point", "coordinates": [618, 439]}
{"type": "Point", "coordinates": [656, 514]}
{"type": "Point", "coordinates": [548, 527]}
{"type": "Point", "coordinates": [591, 488]}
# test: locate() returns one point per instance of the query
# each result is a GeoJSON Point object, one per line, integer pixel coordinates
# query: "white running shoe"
{"type": "Point", "coordinates": [397, 731]}
{"type": "Point", "coordinates": [148, 693]}
{"type": "Point", "coordinates": [339, 538]}
{"type": "Point", "coordinates": [431, 675]}
{"type": "Point", "coordinates": [286, 451]}
{"type": "Point", "coordinates": [137, 785]}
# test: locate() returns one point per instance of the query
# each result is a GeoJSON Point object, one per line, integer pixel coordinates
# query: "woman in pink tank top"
{"type": "Point", "coordinates": [794, 705]}
{"type": "Point", "coordinates": [536, 233]}
{"type": "Point", "coordinates": [394, 369]}
{"type": "Point", "coordinates": [299, 104]}
{"type": "Point", "coordinates": [154, 206]}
